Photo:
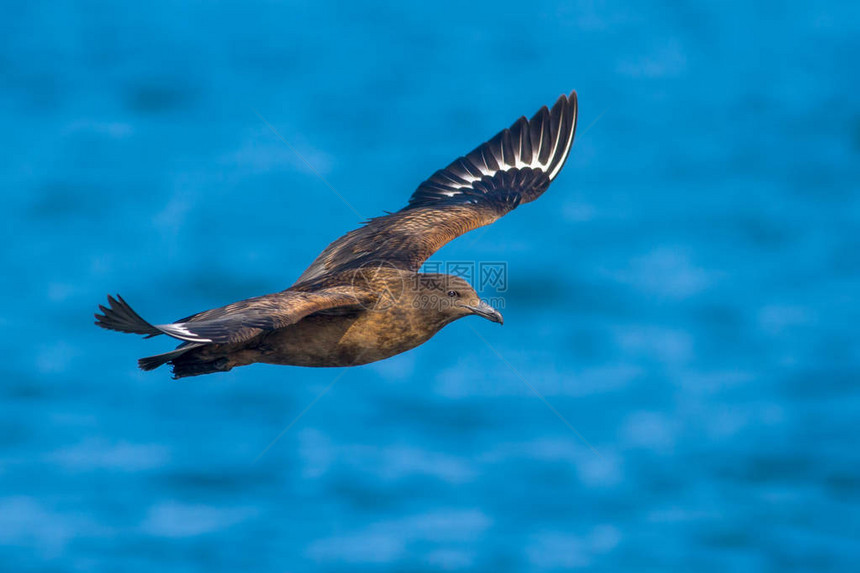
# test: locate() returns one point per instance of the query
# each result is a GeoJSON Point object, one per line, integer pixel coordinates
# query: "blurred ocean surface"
{"type": "Point", "coordinates": [686, 294]}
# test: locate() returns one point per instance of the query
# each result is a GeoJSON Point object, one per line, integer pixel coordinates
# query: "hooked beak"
{"type": "Point", "coordinates": [486, 311]}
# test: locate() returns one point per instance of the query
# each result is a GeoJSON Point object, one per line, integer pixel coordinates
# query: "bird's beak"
{"type": "Point", "coordinates": [486, 311]}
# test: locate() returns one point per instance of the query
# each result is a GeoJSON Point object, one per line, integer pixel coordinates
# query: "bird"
{"type": "Point", "coordinates": [364, 299]}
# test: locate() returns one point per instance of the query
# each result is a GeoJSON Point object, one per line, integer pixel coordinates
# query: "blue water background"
{"type": "Point", "coordinates": [685, 295]}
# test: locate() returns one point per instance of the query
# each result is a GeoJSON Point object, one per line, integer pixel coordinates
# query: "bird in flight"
{"type": "Point", "coordinates": [363, 299]}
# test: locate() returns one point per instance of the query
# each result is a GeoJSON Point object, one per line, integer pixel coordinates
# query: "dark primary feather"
{"type": "Point", "coordinates": [529, 148]}
{"type": "Point", "coordinates": [118, 315]}
{"type": "Point", "coordinates": [153, 362]}
{"type": "Point", "coordinates": [514, 167]}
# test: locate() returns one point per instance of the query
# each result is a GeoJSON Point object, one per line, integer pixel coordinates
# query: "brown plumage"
{"type": "Point", "coordinates": [363, 299]}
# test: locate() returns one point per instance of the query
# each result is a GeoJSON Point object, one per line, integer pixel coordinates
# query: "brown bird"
{"type": "Point", "coordinates": [363, 299]}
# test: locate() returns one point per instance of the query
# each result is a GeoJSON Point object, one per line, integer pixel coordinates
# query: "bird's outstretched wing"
{"type": "Point", "coordinates": [514, 167]}
{"type": "Point", "coordinates": [239, 321]}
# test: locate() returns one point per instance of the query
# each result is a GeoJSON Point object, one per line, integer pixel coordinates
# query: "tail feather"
{"type": "Point", "coordinates": [185, 362]}
{"type": "Point", "coordinates": [120, 316]}
{"type": "Point", "coordinates": [193, 365]}
{"type": "Point", "coordinates": [153, 362]}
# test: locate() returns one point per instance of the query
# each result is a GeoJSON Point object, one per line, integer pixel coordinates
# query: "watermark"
{"type": "Point", "coordinates": [482, 275]}
{"type": "Point", "coordinates": [441, 302]}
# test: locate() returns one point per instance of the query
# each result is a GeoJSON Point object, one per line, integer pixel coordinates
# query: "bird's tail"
{"type": "Point", "coordinates": [192, 365]}
{"type": "Point", "coordinates": [186, 363]}
{"type": "Point", "coordinates": [118, 315]}
{"type": "Point", "coordinates": [153, 362]}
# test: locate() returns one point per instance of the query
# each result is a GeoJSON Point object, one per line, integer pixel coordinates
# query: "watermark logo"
{"type": "Point", "coordinates": [482, 275]}
{"type": "Point", "coordinates": [493, 275]}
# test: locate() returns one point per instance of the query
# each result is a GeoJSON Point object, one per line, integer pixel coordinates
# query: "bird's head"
{"type": "Point", "coordinates": [453, 298]}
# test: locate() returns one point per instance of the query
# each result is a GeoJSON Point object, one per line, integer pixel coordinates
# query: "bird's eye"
{"type": "Point", "coordinates": [453, 293]}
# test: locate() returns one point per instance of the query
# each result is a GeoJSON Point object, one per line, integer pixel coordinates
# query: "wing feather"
{"type": "Point", "coordinates": [516, 166]}
{"type": "Point", "coordinates": [243, 320]}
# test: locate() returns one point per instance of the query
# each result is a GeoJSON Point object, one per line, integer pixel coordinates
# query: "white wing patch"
{"type": "Point", "coordinates": [517, 163]}
{"type": "Point", "coordinates": [178, 330]}
{"type": "Point", "coordinates": [509, 151]}
{"type": "Point", "coordinates": [567, 145]}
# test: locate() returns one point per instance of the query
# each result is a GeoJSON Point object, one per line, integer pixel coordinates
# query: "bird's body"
{"type": "Point", "coordinates": [369, 331]}
{"type": "Point", "coordinates": [363, 299]}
